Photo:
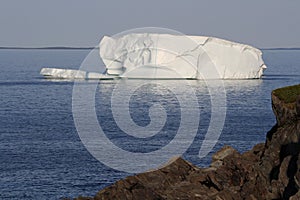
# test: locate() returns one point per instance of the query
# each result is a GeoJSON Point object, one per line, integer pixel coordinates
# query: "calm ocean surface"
{"type": "Point", "coordinates": [41, 155]}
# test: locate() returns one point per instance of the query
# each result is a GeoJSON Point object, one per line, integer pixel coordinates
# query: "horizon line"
{"type": "Point", "coordinates": [50, 47]}
{"type": "Point", "coordinates": [97, 47]}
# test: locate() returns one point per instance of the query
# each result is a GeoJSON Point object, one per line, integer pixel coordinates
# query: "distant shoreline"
{"type": "Point", "coordinates": [50, 48]}
{"type": "Point", "coordinates": [284, 49]}
{"type": "Point", "coordinates": [91, 48]}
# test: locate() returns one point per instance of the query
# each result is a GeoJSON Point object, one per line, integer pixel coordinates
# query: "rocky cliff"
{"type": "Point", "coordinates": [271, 170]}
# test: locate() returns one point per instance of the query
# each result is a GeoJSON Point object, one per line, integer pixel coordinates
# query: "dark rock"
{"type": "Point", "coordinates": [284, 112]}
{"type": "Point", "coordinates": [268, 171]}
{"type": "Point", "coordinates": [285, 104]}
{"type": "Point", "coordinates": [298, 106]}
{"type": "Point", "coordinates": [223, 153]}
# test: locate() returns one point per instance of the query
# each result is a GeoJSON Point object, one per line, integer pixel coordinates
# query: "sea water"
{"type": "Point", "coordinates": [42, 156]}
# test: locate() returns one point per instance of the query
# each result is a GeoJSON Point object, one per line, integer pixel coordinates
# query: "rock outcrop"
{"type": "Point", "coordinates": [271, 170]}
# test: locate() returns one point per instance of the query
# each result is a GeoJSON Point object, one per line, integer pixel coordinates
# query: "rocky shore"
{"type": "Point", "coordinates": [271, 170]}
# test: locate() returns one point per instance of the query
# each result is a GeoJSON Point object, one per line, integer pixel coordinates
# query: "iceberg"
{"type": "Point", "coordinates": [167, 56]}
{"type": "Point", "coordinates": [71, 74]}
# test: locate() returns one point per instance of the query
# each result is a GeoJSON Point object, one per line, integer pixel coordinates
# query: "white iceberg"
{"type": "Point", "coordinates": [71, 74]}
{"type": "Point", "coordinates": [166, 56]}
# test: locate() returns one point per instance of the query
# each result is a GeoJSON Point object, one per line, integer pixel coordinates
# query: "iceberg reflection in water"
{"type": "Point", "coordinates": [162, 92]}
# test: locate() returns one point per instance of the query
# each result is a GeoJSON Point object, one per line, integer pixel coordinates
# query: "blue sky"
{"type": "Point", "coordinates": [35, 23]}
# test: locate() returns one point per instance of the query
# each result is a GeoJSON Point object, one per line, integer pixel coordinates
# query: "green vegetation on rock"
{"type": "Point", "coordinates": [288, 94]}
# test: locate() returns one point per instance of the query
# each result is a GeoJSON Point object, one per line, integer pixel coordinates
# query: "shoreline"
{"type": "Point", "coordinates": [270, 170]}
